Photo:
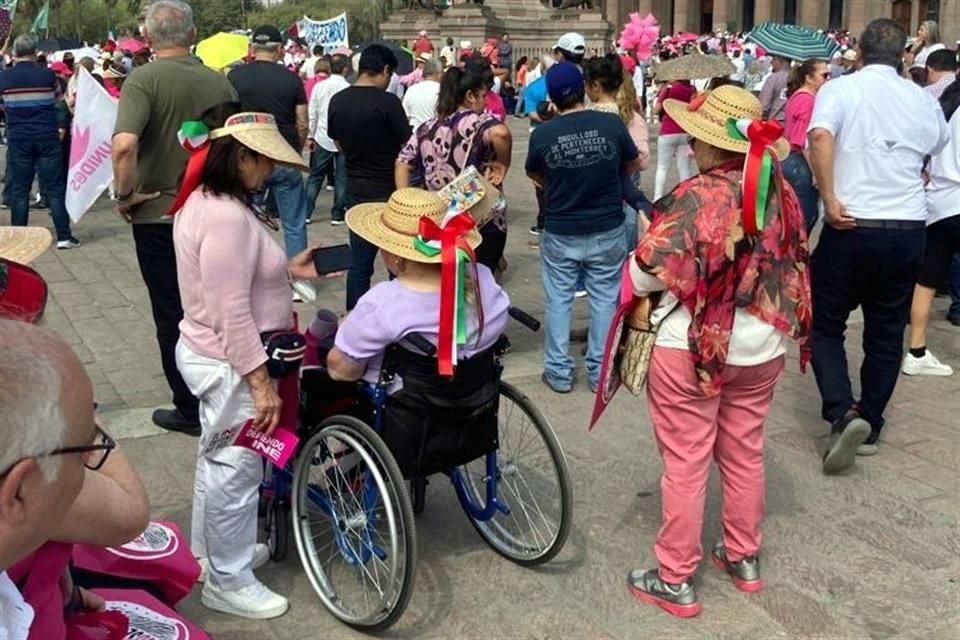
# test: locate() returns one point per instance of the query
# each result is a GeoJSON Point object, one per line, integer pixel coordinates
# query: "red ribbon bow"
{"type": "Point", "coordinates": [452, 236]}
{"type": "Point", "coordinates": [191, 177]}
{"type": "Point", "coordinates": [761, 134]}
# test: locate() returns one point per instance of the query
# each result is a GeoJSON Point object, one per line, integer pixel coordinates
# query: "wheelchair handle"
{"type": "Point", "coordinates": [524, 318]}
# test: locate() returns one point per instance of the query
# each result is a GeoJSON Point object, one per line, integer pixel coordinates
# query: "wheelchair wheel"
{"type": "Point", "coordinates": [278, 528]}
{"type": "Point", "coordinates": [353, 524]}
{"type": "Point", "coordinates": [533, 482]}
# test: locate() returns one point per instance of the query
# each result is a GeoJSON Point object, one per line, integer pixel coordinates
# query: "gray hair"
{"type": "Point", "coordinates": [432, 67]}
{"type": "Point", "coordinates": [169, 23]}
{"type": "Point", "coordinates": [33, 423]}
{"type": "Point", "coordinates": [933, 32]}
{"type": "Point", "coordinates": [24, 45]}
{"type": "Point", "coordinates": [267, 47]}
{"type": "Point", "coordinates": [882, 42]}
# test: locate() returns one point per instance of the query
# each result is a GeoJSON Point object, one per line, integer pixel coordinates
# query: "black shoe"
{"type": "Point", "coordinates": [848, 433]}
{"type": "Point", "coordinates": [954, 319]}
{"type": "Point", "coordinates": [173, 420]}
{"type": "Point", "coordinates": [535, 230]}
{"type": "Point", "coordinates": [40, 204]}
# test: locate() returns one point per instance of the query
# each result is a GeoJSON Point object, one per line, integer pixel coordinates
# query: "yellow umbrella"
{"type": "Point", "coordinates": [223, 49]}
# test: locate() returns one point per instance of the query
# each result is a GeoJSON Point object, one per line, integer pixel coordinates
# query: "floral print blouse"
{"type": "Point", "coordinates": [696, 246]}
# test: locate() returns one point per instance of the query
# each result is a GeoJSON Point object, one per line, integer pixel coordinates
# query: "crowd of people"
{"type": "Point", "coordinates": [205, 161]}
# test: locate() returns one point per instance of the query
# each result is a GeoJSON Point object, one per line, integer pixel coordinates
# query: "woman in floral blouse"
{"type": "Point", "coordinates": [463, 135]}
{"type": "Point", "coordinates": [732, 267]}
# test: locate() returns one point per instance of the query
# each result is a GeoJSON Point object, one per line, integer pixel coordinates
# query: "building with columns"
{"type": "Point", "coordinates": [700, 16]}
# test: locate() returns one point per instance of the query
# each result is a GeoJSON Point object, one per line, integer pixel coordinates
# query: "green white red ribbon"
{"type": "Point", "coordinates": [450, 242]}
{"type": "Point", "coordinates": [194, 136]}
{"type": "Point", "coordinates": [759, 169]}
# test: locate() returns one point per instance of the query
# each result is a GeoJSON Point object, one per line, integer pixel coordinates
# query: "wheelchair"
{"type": "Point", "coordinates": [346, 491]}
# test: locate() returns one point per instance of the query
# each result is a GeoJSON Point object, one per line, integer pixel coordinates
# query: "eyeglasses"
{"type": "Point", "coordinates": [97, 452]}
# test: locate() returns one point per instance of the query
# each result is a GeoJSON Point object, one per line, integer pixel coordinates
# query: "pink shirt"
{"type": "Point", "coordinates": [493, 104]}
{"type": "Point", "coordinates": [798, 111]}
{"type": "Point", "coordinates": [233, 280]}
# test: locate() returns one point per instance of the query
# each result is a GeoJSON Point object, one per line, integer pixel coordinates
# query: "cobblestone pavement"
{"type": "Point", "coordinates": [873, 554]}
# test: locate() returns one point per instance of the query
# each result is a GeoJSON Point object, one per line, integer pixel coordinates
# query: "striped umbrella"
{"type": "Point", "coordinates": [793, 41]}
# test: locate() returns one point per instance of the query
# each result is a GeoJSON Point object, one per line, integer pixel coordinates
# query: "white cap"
{"type": "Point", "coordinates": [466, 44]}
{"type": "Point", "coordinates": [572, 42]}
{"type": "Point", "coordinates": [850, 55]}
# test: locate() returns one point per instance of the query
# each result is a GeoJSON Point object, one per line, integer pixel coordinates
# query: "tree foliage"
{"type": "Point", "coordinates": [91, 20]}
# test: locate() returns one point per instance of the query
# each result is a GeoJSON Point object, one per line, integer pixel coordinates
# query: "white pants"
{"type": "Point", "coordinates": [670, 146]}
{"type": "Point", "coordinates": [225, 488]}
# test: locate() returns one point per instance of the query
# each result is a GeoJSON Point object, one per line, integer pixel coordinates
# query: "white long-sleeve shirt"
{"type": "Point", "coordinates": [320, 107]}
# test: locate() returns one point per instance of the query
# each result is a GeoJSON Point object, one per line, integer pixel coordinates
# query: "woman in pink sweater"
{"type": "Point", "coordinates": [233, 278]}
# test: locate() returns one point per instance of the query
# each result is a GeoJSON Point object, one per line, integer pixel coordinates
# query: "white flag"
{"type": "Point", "coordinates": [91, 168]}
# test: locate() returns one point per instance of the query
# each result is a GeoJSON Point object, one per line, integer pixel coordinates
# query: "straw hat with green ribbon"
{"type": "Point", "coordinates": [731, 118]}
{"type": "Point", "coordinates": [394, 226]}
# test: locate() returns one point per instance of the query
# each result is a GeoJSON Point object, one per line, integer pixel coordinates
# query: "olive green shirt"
{"type": "Point", "coordinates": [155, 100]}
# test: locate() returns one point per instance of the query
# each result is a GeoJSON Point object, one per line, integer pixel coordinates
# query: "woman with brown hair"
{"type": "Point", "coordinates": [729, 253]}
{"type": "Point", "coordinates": [804, 82]}
{"type": "Point", "coordinates": [234, 283]}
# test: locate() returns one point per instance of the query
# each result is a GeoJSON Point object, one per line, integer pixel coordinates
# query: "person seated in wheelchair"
{"type": "Point", "coordinates": [440, 410]}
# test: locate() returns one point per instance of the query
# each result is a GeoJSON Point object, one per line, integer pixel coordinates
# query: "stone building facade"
{"type": "Point", "coordinates": [700, 16]}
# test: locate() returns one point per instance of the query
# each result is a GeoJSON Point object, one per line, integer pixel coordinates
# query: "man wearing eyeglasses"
{"type": "Point", "coordinates": [61, 477]}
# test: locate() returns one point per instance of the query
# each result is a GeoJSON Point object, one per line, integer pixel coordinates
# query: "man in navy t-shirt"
{"type": "Point", "coordinates": [34, 130]}
{"type": "Point", "coordinates": [578, 157]}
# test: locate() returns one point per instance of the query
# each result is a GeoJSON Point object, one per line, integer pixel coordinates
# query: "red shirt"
{"type": "Point", "coordinates": [422, 45]}
{"type": "Point", "coordinates": [682, 91]}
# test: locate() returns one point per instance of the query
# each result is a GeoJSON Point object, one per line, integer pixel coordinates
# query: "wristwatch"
{"type": "Point", "coordinates": [116, 197]}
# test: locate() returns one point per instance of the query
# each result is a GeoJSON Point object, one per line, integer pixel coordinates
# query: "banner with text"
{"type": "Point", "coordinates": [330, 33]}
{"type": "Point", "coordinates": [91, 168]}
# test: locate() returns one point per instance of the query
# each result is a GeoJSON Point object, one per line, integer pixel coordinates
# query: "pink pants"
{"type": "Point", "coordinates": [692, 428]}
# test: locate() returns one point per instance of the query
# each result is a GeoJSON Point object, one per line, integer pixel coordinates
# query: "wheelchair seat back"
{"type": "Point", "coordinates": [434, 423]}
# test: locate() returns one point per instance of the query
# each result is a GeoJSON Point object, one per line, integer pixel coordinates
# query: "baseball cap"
{"type": "Point", "coordinates": [563, 79]}
{"type": "Point", "coordinates": [572, 42]}
{"type": "Point", "coordinates": [267, 34]}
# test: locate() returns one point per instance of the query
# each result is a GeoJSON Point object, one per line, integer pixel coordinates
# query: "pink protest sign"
{"type": "Point", "coordinates": [609, 382]}
{"type": "Point", "coordinates": [277, 447]}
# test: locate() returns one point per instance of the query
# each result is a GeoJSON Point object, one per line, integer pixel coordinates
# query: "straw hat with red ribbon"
{"type": "Point", "coordinates": [256, 131]}
{"type": "Point", "coordinates": [731, 118]}
{"type": "Point", "coordinates": [416, 225]}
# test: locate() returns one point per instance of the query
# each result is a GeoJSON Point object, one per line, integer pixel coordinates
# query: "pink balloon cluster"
{"type": "Point", "coordinates": [640, 34]}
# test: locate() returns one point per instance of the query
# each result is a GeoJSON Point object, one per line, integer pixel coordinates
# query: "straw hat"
{"type": "Point", "coordinates": [23, 244]}
{"type": "Point", "coordinates": [705, 117]}
{"type": "Point", "coordinates": [393, 226]}
{"type": "Point", "coordinates": [258, 131]}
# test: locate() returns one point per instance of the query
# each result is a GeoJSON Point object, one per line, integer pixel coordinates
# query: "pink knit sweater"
{"type": "Point", "coordinates": [233, 280]}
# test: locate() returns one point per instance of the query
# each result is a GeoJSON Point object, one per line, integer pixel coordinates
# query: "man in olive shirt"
{"type": "Point", "coordinates": [147, 162]}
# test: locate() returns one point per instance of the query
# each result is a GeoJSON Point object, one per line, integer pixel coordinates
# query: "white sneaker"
{"type": "Point", "coordinates": [70, 243]}
{"type": "Point", "coordinates": [261, 554]}
{"type": "Point", "coordinates": [254, 601]}
{"type": "Point", "coordinates": [329, 187]}
{"type": "Point", "coordinates": [928, 365]}
{"type": "Point", "coordinates": [580, 294]}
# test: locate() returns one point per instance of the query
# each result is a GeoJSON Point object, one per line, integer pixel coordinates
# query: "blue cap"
{"type": "Point", "coordinates": [563, 79]}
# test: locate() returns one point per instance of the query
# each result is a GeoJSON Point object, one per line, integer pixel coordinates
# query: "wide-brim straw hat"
{"type": "Point", "coordinates": [705, 118]}
{"type": "Point", "coordinates": [23, 244]}
{"type": "Point", "coordinates": [259, 132]}
{"type": "Point", "coordinates": [394, 225]}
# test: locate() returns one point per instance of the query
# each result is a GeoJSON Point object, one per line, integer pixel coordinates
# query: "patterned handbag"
{"type": "Point", "coordinates": [637, 340]}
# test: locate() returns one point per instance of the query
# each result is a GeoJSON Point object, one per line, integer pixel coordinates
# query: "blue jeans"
{"type": "Point", "coordinates": [320, 162]}
{"type": "Point", "coordinates": [364, 256]}
{"type": "Point", "coordinates": [953, 280]}
{"type": "Point", "coordinates": [45, 158]}
{"type": "Point", "coordinates": [599, 258]}
{"type": "Point", "coordinates": [286, 185]}
{"type": "Point", "coordinates": [797, 172]}
{"type": "Point", "coordinates": [876, 270]}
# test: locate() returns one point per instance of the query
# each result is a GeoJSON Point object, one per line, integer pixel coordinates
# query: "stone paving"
{"type": "Point", "coordinates": [873, 554]}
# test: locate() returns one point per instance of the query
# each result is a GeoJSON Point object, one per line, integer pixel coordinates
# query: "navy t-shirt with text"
{"type": "Point", "coordinates": [580, 156]}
